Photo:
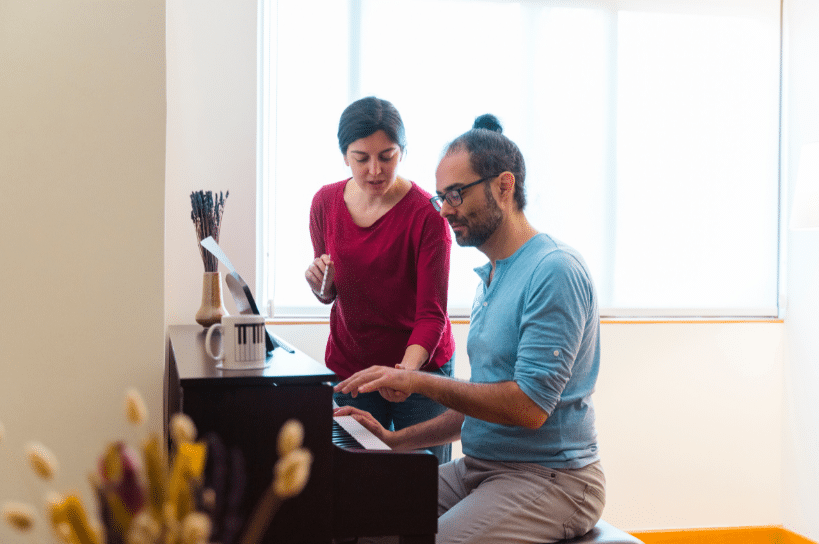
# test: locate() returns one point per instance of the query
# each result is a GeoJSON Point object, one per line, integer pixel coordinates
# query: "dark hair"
{"type": "Point", "coordinates": [491, 153]}
{"type": "Point", "coordinates": [367, 116]}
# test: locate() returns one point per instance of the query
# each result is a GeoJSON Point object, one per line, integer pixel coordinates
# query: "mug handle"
{"type": "Point", "coordinates": [219, 356]}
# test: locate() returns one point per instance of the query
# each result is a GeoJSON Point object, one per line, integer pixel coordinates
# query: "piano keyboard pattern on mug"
{"type": "Point", "coordinates": [249, 342]}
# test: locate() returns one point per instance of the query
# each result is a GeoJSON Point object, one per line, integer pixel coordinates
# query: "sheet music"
{"type": "Point", "coordinates": [364, 437]}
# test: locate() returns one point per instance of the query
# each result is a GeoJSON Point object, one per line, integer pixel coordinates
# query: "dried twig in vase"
{"type": "Point", "coordinates": [206, 213]}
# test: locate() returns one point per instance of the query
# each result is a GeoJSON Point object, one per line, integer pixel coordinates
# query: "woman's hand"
{"type": "Point", "coordinates": [415, 357]}
{"type": "Point", "coordinates": [320, 276]}
{"type": "Point", "coordinates": [393, 395]}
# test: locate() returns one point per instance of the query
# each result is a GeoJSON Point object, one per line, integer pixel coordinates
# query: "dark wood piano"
{"type": "Point", "coordinates": [352, 491]}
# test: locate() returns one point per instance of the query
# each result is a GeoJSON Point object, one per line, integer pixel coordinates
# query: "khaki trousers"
{"type": "Point", "coordinates": [500, 502]}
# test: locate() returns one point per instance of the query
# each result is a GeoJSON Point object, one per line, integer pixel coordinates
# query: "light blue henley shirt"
{"type": "Point", "coordinates": [537, 323]}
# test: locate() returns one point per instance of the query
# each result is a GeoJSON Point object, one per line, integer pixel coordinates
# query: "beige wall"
{"type": "Point", "coordinates": [82, 162]}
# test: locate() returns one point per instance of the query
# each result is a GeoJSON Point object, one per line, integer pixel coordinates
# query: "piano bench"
{"type": "Point", "coordinates": [603, 533]}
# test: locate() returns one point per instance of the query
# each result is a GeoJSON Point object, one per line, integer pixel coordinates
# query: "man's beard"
{"type": "Point", "coordinates": [481, 227]}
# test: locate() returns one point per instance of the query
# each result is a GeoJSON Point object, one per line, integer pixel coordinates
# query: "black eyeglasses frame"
{"type": "Point", "coordinates": [453, 197]}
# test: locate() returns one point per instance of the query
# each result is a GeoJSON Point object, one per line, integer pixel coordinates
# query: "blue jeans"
{"type": "Point", "coordinates": [397, 415]}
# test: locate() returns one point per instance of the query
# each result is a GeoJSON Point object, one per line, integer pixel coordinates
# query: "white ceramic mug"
{"type": "Point", "coordinates": [243, 342]}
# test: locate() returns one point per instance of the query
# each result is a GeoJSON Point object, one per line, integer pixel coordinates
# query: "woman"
{"type": "Point", "coordinates": [382, 260]}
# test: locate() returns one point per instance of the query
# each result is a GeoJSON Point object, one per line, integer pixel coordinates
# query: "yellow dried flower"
{"type": "Point", "coordinates": [97, 529]}
{"type": "Point", "coordinates": [19, 516]}
{"type": "Point", "coordinates": [171, 523]}
{"type": "Point", "coordinates": [42, 461]}
{"type": "Point", "coordinates": [54, 510]}
{"type": "Point", "coordinates": [65, 532]}
{"type": "Point", "coordinates": [182, 429]}
{"type": "Point", "coordinates": [143, 529]}
{"type": "Point", "coordinates": [79, 520]}
{"type": "Point", "coordinates": [291, 436]}
{"type": "Point", "coordinates": [292, 472]}
{"type": "Point", "coordinates": [196, 528]}
{"type": "Point", "coordinates": [156, 471]}
{"type": "Point", "coordinates": [135, 409]}
{"type": "Point", "coordinates": [136, 538]}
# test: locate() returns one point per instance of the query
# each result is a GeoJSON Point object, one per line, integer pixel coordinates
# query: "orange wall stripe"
{"type": "Point", "coordinates": [738, 535]}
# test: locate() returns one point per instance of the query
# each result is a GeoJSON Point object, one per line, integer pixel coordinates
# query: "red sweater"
{"type": "Point", "coordinates": [391, 281]}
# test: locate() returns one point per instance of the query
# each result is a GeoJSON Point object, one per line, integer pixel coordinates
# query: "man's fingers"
{"type": "Point", "coordinates": [361, 382]}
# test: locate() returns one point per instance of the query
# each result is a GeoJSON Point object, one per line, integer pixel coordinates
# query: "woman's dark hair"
{"type": "Point", "coordinates": [492, 153]}
{"type": "Point", "coordinates": [367, 116]}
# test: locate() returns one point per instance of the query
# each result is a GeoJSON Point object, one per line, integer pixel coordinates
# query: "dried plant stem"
{"type": "Point", "coordinates": [263, 514]}
{"type": "Point", "coordinates": [206, 213]}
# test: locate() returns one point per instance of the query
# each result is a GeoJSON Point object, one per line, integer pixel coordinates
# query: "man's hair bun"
{"type": "Point", "coordinates": [488, 122]}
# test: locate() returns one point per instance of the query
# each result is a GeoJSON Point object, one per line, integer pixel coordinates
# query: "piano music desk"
{"type": "Point", "coordinates": [350, 492]}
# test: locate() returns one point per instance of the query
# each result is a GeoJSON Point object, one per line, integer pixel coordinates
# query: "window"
{"type": "Point", "coordinates": [650, 130]}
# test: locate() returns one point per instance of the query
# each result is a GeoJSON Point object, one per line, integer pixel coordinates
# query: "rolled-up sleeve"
{"type": "Point", "coordinates": [552, 327]}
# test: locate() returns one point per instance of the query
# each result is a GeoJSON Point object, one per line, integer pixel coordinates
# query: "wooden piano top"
{"type": "Point", "coordinates": [196, 367]}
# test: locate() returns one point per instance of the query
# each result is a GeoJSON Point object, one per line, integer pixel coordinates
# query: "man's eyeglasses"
{"type": "Point", "coordinates": [453, 197]}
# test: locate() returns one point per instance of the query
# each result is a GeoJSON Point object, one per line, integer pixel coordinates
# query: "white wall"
{"type": "Point", "coordinates": [801, 428]}
{"type": "Point", "coordinates": [212, 66]}
{"type": "Point", "coordinates": [689, 418]}
{"type": "Point", "coordinates": [82, 159]}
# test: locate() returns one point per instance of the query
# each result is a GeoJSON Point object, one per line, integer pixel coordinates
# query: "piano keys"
{"type": "Point", "coordinates": [353, 490]}
{"type": "Point", "coordinates": [343, 438]}
{"type": "Point", "coordinates": [349, 433]}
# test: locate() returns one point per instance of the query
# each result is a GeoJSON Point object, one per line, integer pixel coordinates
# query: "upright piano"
{"type": "Point", "coordinates": [352, 491]}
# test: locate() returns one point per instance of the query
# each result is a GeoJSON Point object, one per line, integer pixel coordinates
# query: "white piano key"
{"type": "Point", "coordinates": [360, 433]}
{"type": "Point", "coordinates": [364, 437]}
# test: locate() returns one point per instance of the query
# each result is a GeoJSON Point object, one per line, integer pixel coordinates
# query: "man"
{"type": "Point", "coordinates": [531, 470]}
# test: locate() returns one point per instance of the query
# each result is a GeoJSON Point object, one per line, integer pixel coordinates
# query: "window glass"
{"type": "Point", "coordinates": [650, 130]}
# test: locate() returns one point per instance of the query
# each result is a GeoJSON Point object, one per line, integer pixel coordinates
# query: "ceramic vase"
{"type": "Point", "coordinates": [213, 307]}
